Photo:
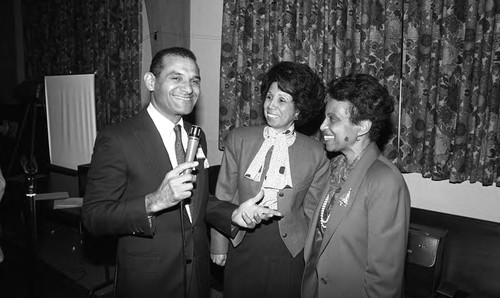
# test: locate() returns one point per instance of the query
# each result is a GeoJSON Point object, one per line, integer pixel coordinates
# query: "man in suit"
{"type": "Point", "coordinates": [136, 183]}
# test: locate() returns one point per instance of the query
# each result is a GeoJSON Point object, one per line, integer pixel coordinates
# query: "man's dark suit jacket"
{"type": "Point", "coordinates": [130, 161]}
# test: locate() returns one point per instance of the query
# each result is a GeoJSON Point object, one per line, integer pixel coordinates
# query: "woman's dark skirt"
{"type": "Point", "coordinates": [261, 266]}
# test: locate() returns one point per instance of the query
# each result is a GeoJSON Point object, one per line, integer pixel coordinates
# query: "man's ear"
{"type": "Point", "coordinates": [364, 127]}
{"type": "Point", "coordinates": [149, 80]}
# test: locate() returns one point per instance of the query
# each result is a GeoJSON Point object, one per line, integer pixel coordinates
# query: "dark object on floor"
{"type": "Point", "coordinates": [471, 256]}
{"type": "Point", "coordinates": [424, 260]}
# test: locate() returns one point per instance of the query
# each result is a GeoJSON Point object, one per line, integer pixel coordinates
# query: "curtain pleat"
{"type": "Point", "coordinates": [450, 128]}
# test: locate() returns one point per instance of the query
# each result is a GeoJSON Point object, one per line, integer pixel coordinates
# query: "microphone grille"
{"type": "Point", "coordinates": [195, 131]}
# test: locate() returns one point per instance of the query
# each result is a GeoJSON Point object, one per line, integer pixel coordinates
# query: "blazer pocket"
{"type": "Point", "coordinates": [143, 263]}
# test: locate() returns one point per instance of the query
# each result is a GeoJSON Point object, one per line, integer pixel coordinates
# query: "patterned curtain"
{"type": "Point", "coordinates": [93, 36]}
{"type": "Point", "coordinates": [333, 37]}
{"type": "Point", "coordinates": [451, 90]}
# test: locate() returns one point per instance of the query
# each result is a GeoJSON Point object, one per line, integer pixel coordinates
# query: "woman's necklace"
{"type": "Point", "coordinates": [323, 221]}
{"type": "Point", "coordinates": [336, 186]}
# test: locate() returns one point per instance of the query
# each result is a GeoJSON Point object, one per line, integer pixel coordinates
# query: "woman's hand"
{"type": "Point", "coordinates": [219, 259]}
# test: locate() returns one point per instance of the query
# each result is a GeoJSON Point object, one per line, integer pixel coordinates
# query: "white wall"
{"type": "Point", "coordinates": [465, 199]}
{"type": "Point", "coordinates": [206, 26]}
{"type": "Point", "coordinates": [205, 42]}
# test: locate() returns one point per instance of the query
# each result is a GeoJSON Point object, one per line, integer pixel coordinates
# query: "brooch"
{"type": "Point", "coordinates": [344, 200]}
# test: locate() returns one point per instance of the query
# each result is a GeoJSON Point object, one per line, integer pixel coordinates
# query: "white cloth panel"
{"type": "Point", "coordinates": [71, 120]}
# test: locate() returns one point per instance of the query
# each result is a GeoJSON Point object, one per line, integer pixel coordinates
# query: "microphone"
{"type": "Point", "coordinates": [192, 146]}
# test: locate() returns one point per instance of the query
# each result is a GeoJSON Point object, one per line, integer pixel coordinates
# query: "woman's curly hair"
{"type": "Point", "coordinates": [369, 100]}
{"type": "Point", "coordinates": [298, 80]}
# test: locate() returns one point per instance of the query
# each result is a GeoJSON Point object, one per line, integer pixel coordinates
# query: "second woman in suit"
{"type": "Point", "coordinates": [291, 168]}
{"type": "Point", "coordinates": [356, 245]}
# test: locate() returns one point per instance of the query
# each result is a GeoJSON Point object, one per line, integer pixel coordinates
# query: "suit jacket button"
{"type": "Point", "coordinates": [280, 194]}
{"type": "Point", "coordinates": [284, 235]}
{"type": "Point", "coordinates": [189, 261]}
{"type": "Point", "coordinates": [323, 281]}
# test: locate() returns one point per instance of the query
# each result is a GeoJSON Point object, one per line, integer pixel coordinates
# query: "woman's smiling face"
{"type": "Point", "coordinates": [339, 132]}
{"type": "Point", "coordinates": [279, 108]}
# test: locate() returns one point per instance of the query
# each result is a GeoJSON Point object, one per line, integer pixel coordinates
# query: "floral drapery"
{"type": "Point", "coordinates": [333, 37]}
{"type": "Point", "coordinates": [451, 90]}
{"type": "Point", "coordinates": [101, 36]}
{"type": "Point", "coordinates": [448, 127]}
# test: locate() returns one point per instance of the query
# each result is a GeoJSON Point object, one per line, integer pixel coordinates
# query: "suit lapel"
{"type": "Point", "coordinates": [248, 152]}
{"type": "Point", "coordinates": [347, 195]}
{"type": "Point", "coordinates": [312, 228]}
{"type": "Point", "coordinates": [151, 143]}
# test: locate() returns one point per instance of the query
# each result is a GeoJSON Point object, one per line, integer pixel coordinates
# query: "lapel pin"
{"type": "Point", "coordinates": [344, 200]}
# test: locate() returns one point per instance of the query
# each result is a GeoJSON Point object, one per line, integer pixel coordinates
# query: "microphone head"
{"type": "Point", "coordinates": [192, 146]}
{"type": "Point", "coordinates": [195, 131]}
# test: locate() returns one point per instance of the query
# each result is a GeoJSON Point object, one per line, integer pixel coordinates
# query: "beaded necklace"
{"type": "Point", "coordinates": [336, 182]}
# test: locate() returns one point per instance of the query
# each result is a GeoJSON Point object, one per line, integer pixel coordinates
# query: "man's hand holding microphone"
{"type": "Point", "coordinates": [178, 185]}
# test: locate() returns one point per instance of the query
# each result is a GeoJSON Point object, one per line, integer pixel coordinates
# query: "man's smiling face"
{"type": "Point", "coordinates": [177, 88]}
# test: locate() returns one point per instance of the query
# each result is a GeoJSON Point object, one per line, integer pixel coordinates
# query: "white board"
{"type": "Point", "coordinates": [71, 120]}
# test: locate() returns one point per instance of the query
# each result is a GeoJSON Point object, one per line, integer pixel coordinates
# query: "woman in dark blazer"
{"type": "Point", "coordinates": [291, 168]}
{"type": "Point", "coordinates": [356, 245]}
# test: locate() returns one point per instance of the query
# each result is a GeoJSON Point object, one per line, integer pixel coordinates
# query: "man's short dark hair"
{"type": "Point", "coordinates": [157, 62]}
